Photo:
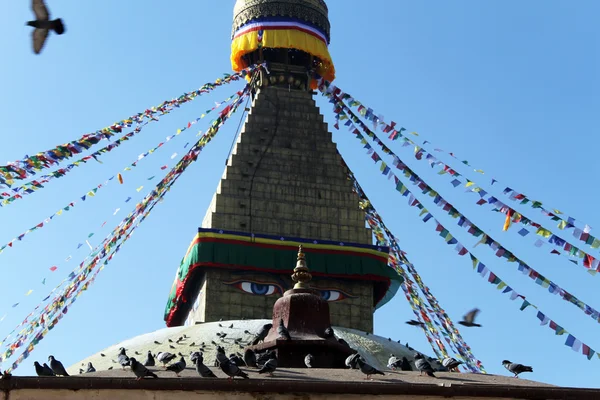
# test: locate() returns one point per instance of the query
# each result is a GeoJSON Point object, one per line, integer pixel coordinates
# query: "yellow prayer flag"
{"type": "Point", "coordinates": [414, 133]}
{"type": "Point", "coordinates": [480, 171]}
{"type": "Point", "coordinates": [59, 212]}
{"type": "Point", "coordinates": [557, 211]}
{"type": "Point", "coordinates": [469, 183]}
{"type": "Point", "coordinates": [178, 131]}
{"type": "Point", "coordinates": [91, 193]}
{"type": "Point", "coordinates": [595, 244]}
{"type": "Point", "coordinates": [28, 293]}
{"type": "Point", "coordinates": [423, 211]}
{"type": "Point", "coordinates": [140, 188]}
{"type": "Point", "coordinates": [544, 232]}
{"type": "Point", "coordinates": [501, 285]}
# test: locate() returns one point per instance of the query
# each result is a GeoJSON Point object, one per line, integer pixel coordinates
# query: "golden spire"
{"type": "Point", "coordinates": [301, 274]}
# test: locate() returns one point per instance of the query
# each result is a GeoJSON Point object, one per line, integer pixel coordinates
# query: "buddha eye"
{"type": "Point", "coordinates": [257, 288]}
{"type": "Point", "coordinates": [332, 295]}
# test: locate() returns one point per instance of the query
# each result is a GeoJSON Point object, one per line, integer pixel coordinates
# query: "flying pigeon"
{"type": "Point", "coordinates": [308, 360]}
{"type": "Point", "coordinates": [270, 366]}
{"type": "Point", "coordinates": [123, 358]}
{"type": "Point", "coordinates": [282, 331]}
{"type": "Point", "coordinates": [90, 368]}
{"type": "Point", "coordinates": [262, 334]}
{"type": "Point", "coordinates": [469, 319]}
{"type": "Point", "coordinates": [165, 357]}
{"type": "Point", "coordinates": [451, 363]}
{"type": "Point", "coordinates": [140, 370]}
{"type": "Point", "coordinates": [203, 370]}
{"type": "Point", "coordinates": [42, 370]}
{"type": "Point", "coordinates": [43, 25]}
{"type": "Point", "coordinates": [228, 367]}
{"type": "Point", "coordinates": [57, 367]}
{"type": "Point", "coordinates": [352, 361]}
{"type": "Point", "coordinates": [177, 367]}
{"type": "Point", "coordinates": [149, 360]}
{"type": "Point", "coordinates": [367, 369]}
{"type": "Point", "coordinates": [250, 358]}
{"type": "Point", "coordinates": [415, 323]}
{"type": "Point", "coordinates": [423, 365]}
{"type": "Point", "coordinates": [516, 368]}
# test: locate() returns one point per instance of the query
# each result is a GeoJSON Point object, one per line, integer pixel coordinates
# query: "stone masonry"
{"type": "Point", "coordinates": [285, 178]}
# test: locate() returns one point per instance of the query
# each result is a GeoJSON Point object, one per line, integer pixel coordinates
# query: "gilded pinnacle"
{"type": "Point", "coordinates": [301, 274]}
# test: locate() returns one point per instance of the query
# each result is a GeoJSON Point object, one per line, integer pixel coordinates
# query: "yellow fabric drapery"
{"type": "Point", "coordinates": [282, 38]}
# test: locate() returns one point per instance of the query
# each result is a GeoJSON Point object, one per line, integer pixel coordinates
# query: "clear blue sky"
{"type": "Point", "coordinates": [512, 87]}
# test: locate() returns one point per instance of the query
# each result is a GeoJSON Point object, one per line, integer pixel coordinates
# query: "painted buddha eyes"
{"type": "Point", "coordinates": [332, 295]}
{"type": "Point", "coordinates": [271, 288]}
{"type": "Point", "coordinates": [257, 288]}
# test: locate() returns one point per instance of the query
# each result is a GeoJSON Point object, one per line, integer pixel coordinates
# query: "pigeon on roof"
{"type": "Point", "coordinates": [57, 367]}
{"type": "Point", "coordinates": [90, 368]}
{"type": "Point", "coordinates": [150, 362]}
{"type": "Point", "coordinates": [140, 370]}
{"type": "Point", "coordinates": [43, 25]}
{"type": "Point", "coordinates": [270, 366]}
{"type": "Point", "coordinates": [423, 365]}
{"type": "Point", "coordinates": [516, 368]}
{"type": "Point", "coordinates": [367, 369]}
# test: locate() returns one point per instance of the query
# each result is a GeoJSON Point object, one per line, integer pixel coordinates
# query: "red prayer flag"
{"type": "Point", "coordinates": [53, 268]}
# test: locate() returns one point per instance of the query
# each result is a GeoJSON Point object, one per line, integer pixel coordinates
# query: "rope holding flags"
{"type": "Point", "coordinates": [581, 233]}
{"type": "Point", "coordinates": [38, 326]}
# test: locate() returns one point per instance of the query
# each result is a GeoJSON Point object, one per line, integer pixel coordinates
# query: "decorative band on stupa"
{"type": "Point", "coordinates": [282, 24]}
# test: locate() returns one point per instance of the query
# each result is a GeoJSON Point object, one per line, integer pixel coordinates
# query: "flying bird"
{"type": "Point", "coordinates": [469, 319]}
{"type": "Point", "coordinates": [516, 368]}
{"type": "Point", "coordinates": [308, 360]}
{"type": "Point", "coordinates": [140, 370]}
{"type": "Point", "coordinates": [57, 367]}
{"type": "Point", "coordinates": [412, 322]}
{"type": "Point", "coordinates": [43, 25]}
{"type": "Point", "coordinates": [367, 369]}
{"type": "Point", "coordinates": [423, 365]}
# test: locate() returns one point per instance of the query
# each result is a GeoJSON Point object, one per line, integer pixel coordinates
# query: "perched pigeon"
{"type": "Point", "coordinates": [165, 357]}
{"type": "Point", "coordinates": [57, 367]}
{"type": "Point", "coordinates": [352, 361]}
{"type": "Point", "coordinates": [262, 334]}
{"type": "Point", "coordinates": [231, 326]}
{"type": "Point", "coordinates": [308, 360]}
{"type": "Point", "coordinates": [469, 319]}
{"type": "Point", "coordinates": [42, 370]}
{"type": "Point", "coordinates": [196, 355]}
{"type": "Point", "coordinates": [394, 362]}
{"type": "Point", "coordinates": [405, 365]}
{"type": "Point", "coordinates": [516, 368]}
{"type": "Point", "coordinates": [203, 370]}
{"type": "Point", "coordinates": [81, 371]}
{"type": "Point", "coordinates": [264, 357]}
{"type": "Point", "coordinates": [90, 368]}
{"type": "Point", "coordinates": [140, 370]}
{"type": "Point", "coordinates": [177, 367]}
{"type": "Point", "coordinates": [328, 332]}
{"type": "Point", "coordinates": [367, 369]}
{"type": "Point", "coordinates": [451, 363]}
{"type": "Point", "coordinates": [228, 367]}
{"type": "Point", "coordinates": [250, 358]}
{"type": "Point", "coordinates": [282, 331]}
{"type": "Point", "coordinates": [270, 366]}
{"type": "Point", "coordinates": [150, 362]}
{"type": "Point", "coordinates": [237, 360]}
{"type": "Point", "coordinates": [43, 25]}
{"type": "Point", "coordinates": [415, 323]}
{"type": "Point", "coordinates": [123, 358]}
{"type": "Point", "coordinates": [423, 365]}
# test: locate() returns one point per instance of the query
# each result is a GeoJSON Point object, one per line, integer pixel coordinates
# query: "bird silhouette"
{"type": "Point", "coordinates": [43, 25]}
{"type": "Point", "coordinates": [469, 318]}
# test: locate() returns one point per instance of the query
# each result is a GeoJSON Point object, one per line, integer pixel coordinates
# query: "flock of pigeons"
{"type": "Point", "coordinates": [450, 363]}
{"type": "Point", "coordinates": [265, 362]}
